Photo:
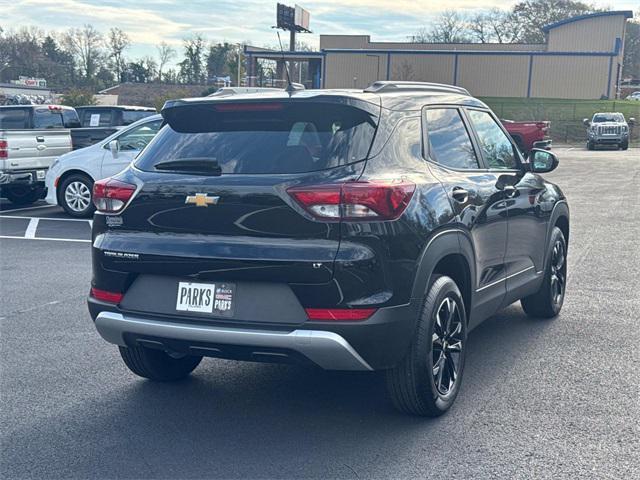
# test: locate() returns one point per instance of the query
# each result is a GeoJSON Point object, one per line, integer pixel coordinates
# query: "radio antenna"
{"type": "Point", "coordinates": [286, 68]}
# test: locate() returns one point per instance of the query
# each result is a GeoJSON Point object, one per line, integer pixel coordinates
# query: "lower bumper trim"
{"type": "Point", "coordinates": [326, 349]}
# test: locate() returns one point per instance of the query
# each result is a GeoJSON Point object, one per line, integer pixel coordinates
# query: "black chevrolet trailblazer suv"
{"type": "Point", "coordinates": [352, 230]}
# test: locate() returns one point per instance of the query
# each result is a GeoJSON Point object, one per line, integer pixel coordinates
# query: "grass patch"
{"type": "Point", "coordinates": [558, 109]}
{"type": "Point", "coordinates": [565, 115]}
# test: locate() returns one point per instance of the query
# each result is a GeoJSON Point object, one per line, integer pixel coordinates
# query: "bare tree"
{"type": "Point", "coordinates": [118, 41]}
{"type": "Point", "coordinates": [505, 27]}
{"type": "Point", "coordinates": [165, 53]}
{"type": "Point", "coordinates": [480, 28]}
{"type": "Point", "coordinates": [86, 46]}
{"type": "Point", "coordinates": [421, 36]}
{"type": "Point", "coordinates": [449, 27]}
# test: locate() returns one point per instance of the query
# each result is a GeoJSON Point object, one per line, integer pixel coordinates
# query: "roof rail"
{"type": "Point", "coordinates": [393, 86]}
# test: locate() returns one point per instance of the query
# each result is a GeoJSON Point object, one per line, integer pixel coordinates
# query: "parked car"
{"type": "Point", "coordinates": [70, 179]}
{"type": "Point", "coordinates": [31, 137]}
{"type": "Point", "coordinates": [634, 96]}
{"type": "Point", "coordinates": [100, 121]}
{"type": "Point", "coordinates": [608, 129]}
{"type": "Point", "coordinates": [529, 135]}
{"type": "Point", "coordinates": [352, 230]}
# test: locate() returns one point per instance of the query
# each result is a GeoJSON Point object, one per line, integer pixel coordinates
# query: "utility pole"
{"type": "Point", "coordinates": [239, 65]}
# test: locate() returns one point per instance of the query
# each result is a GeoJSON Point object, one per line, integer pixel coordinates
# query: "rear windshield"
{"type": "Point", "coordinates": [13, 118]}
{"type": "Point", "coordinates": [293, 138]}
{"type": "Point", "coordinates": [96, 118]}
{"type": "Point", "coordinates": [130, 116]}
{"type": "Point", "coordinates": [47, 118]}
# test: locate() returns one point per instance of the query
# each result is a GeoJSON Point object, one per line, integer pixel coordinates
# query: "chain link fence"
{"type": "Point", "coordinates": [566, 116]}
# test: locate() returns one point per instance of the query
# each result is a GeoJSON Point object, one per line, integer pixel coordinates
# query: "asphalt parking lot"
{"type": "Point", "coordinates": [540, 399]}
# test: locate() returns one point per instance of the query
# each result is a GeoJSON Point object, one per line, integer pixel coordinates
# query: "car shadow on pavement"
{"type": "Point", "coordinates": [254, 420]}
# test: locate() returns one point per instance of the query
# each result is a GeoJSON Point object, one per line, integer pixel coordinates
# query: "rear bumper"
{"type": "Point", "coordinates": [25, 177]}
{"type": "Point", "coordinates": [326, 349]}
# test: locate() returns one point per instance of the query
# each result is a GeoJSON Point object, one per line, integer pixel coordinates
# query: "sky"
{"type": "Point", "coordinates": [149, 22]}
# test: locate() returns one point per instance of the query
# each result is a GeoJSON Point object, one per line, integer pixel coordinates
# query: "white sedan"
{"type": "Point", "coordinates": [70, 179]}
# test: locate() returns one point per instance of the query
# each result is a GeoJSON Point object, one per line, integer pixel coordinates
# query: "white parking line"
{"type": "Point", "coordinates": [28, 208]}
{"type": "Point", "coordinates": [51, 218]}
{"type": "Point", "coordinates": [46, 238]}
{"type": "Point", "coordinates": [31, 228]}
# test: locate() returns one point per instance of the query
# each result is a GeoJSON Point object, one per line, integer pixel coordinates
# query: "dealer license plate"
{"type": "Point", "coordinates": [216, 299]}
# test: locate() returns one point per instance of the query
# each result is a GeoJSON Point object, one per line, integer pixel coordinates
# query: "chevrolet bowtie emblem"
{"type": "Point", "coordinates": [201, 200]}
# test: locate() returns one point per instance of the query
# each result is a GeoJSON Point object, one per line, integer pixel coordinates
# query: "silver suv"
{"type": "Point", "coordinates": [608, 129]}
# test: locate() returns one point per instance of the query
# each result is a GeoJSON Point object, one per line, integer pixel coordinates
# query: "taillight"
{"type": "Point", "coordinates": [105, 296]}
{"type": "Point", "coordinates": [375, 200]}
{"type": "Point", "coordinates": [339, 314]}
{"type": "Point", "coordinates": [4, 149]}
{"type": "Point", "coordinates": [110, 195]}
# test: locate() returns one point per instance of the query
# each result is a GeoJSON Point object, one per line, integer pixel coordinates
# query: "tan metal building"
{"type": "Point", "coordinates": [581, 59]}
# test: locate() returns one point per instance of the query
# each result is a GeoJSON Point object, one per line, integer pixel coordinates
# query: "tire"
{"type": "Point", "coordinates": [417, 385]}
{"type": "Point", "coordinates": [157, 365]}
{"type": "Point", "coordinates": [591, 145]}
{"type": "Point", "coordinates": [624, 146]}
{"type": "Point", "coordinates": [22, 195]}
{"type": "Point", "coordinates": [547, 301]}
{"type": "Point", "coordinates": [75, 195]}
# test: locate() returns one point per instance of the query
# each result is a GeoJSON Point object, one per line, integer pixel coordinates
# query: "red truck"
{"type": "Point", "coordinates": [528, 135]}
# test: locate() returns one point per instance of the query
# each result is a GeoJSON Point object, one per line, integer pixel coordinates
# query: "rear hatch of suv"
{"type": "Point", "coordinates": [213, 204]}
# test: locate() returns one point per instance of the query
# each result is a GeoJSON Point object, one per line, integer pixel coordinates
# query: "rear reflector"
{"type": "Point", "coordinates": [104, 296]}
{"type": "Point", "coordinates": [110, 195]}
{"type": "Point", "coordinates": [339, 314]}
{"type": "Point", "coordinates": [373, 200]}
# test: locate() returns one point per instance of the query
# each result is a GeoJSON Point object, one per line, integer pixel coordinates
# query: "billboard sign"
{"type": "Point", "coordinates": [302, 18]}
{"type": "Point", "coordinates": [292, 19]}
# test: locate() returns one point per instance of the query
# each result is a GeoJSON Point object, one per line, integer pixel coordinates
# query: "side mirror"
{"type": "Point", "coordinates": [586, 122]}
{"type": "Point", "coordinates": [542, 161]}
{"type": "Point", "coordinates": [114, 146]}
{"type": "Point", "coordinates": [632, 122]}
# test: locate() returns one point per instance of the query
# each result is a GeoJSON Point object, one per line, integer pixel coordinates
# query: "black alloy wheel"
{"type": "Point", "coordinates": [548, 300]}
{"type": "Point", "coordinates": [427, 380]}
{"type": "Point", "coordinates": [558, 272]}
{"type": "Point", "coordinates": [446, 346]}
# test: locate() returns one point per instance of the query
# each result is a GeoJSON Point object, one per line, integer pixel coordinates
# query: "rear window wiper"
{"type": "Point", "coordinates": [196, 166]}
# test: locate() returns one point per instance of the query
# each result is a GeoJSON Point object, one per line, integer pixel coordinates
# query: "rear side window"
{"type": "Point", "coordinates": [130, 116]}
{"type": "Point", "coordinates": [449, 141]}
{"type": "Point", "coordinates": [14, 118]}
{"type": "Point", "coordinates": [96, 118]}
{"type": "Point", "coordinates": [70, 118]}
{"type": "Point", "coordinates": [496, 147]}
{"type": "Point", "coordinates": [46, 118]}
{"type": "Point", "coordinates": [288, 138]}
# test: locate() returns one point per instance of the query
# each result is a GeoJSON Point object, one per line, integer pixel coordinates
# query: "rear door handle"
{"type": "Point", "coordinates": [39, 139]}
{"type": "Point", "coordinates": [460, 195]}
